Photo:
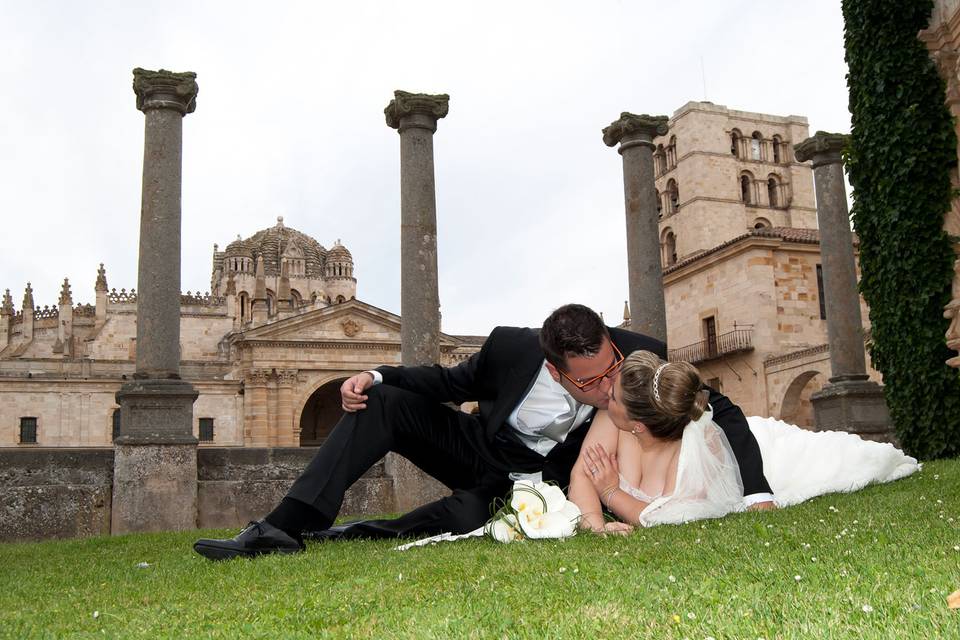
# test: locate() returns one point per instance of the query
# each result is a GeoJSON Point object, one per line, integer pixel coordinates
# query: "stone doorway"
{"type": "Point", "coordinates": [320, 414]}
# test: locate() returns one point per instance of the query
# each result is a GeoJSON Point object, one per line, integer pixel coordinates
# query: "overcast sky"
{"type": "Point", "coordinates": [289, 122]}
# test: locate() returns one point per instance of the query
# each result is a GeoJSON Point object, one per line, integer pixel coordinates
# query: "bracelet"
{"type": "Point", "coordinates": [608, 493]}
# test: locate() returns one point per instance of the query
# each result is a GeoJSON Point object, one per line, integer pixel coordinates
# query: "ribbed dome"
{"type": "Point", "coordinates": [273, 242]}
{"type": "Point", "coordinates": [339, 253]}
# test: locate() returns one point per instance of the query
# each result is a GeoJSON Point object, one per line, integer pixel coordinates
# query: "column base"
{"type": "Point", "coordinates": [856, 406]}
{"type": "Point", "coordinates": [156, 411]}
{"type": "Point", "coordinates": [154, 488]}
{"type": "Point", "coordinates": [411, 486]}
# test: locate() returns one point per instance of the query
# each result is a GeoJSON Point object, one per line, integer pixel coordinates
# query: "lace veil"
{"type": "Point", "coordinates": [708, 478]}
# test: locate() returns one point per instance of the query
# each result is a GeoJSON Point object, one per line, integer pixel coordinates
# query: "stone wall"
{"type": "Point", "coordinates": [55, 493]}
{"type": "Point", "coordinates": [67, 493]}
{"type": "Point", "coordinates": [243, 484]}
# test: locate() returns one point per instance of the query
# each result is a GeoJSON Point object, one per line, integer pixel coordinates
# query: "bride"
{"type": "Point", "coordinates": [656, 456]}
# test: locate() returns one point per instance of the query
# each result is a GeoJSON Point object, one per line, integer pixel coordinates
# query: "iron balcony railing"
{"type": "Point", "coordinates": [734, 341]}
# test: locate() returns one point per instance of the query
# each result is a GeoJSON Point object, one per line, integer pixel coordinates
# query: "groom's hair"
{"type": "Point", "coordinates": [571, 330]}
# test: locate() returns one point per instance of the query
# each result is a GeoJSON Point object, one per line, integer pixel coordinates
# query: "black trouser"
{"type": "Point", "coordinates": [447, 444]}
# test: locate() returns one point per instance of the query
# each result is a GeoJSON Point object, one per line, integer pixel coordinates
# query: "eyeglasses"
{"type": "Point", "coordinates": [591, 383]}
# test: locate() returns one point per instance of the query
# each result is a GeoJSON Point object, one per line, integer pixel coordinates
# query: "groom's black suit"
{"type": "Point", "coordinates": [472, 454]}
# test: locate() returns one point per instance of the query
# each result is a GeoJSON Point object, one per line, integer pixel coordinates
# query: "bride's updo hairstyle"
{"type": "Point", "coordinates": [665, 409]}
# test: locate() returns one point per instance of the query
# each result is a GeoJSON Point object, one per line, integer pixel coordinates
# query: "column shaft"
{"type": "Point", "coordinates": [645, 273]}
{"type": "Point", "coordinates": [844, 326]}
{"type": "Point", "coordinates": [419, 290]}
{"type": "Point", "coordinates": [158, 276]}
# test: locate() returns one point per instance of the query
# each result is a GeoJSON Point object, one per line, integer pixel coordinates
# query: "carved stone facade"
{"type": "Point", "coordinates": [942, 38]}
{"type": "Point", "coordinates": [260, 384]}
{"type": "Point", "coordinates": [741, 255]}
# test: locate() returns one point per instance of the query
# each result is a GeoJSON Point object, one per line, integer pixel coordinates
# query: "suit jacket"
{"type": "Point", "coordinates": [501, 373]}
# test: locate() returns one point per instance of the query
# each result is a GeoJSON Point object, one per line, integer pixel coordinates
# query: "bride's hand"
{"type": "Point", "coordinates": [601, 468]}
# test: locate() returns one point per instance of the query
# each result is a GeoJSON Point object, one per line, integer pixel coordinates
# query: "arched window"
{"type": "Point", "coordinates": [756, 146]}
{"type": "Point", "coordinates": [295, 298]}
{"type": "Point", "coordinates": [761, 223]}
{"type": "Point", "coordinates": [669, 245]}
{"type": "Point", "coordinates": [660, 161]}
{"type": "Point", "coordinates": [341, 299]}
{"type": "Point", "coordinates": [659, 204]}
{"type": "Point", "coordinates": [673, 196]}
{"type": "Point", "coordinates": [746, 186]}
{"type": "Point", "coordinates": [773, 191]}
{"type": "Point", "coordinates": [777, 154]}
{"type": "Point", "coordinates": [735, 137]}
{"type": "Point", "coordinates": [672, 153]}
{"type": "Point", "coordinates": [271, 302]}
{"type": "Point", "coordinates": [243, 302]}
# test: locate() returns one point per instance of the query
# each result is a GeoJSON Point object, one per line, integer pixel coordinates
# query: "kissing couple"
{"type": "Point", "coordinates": [585, 406]}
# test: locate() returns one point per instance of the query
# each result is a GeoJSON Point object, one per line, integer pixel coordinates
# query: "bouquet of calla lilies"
{"type": "Point", "coordinates": [533, 511]}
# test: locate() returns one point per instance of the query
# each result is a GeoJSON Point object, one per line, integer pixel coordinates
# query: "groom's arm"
{"type": "Point", "coordinates": [756, 490]}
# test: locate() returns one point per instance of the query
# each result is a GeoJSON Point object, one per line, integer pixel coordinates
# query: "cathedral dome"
{"type": "Point", "coordinates": [278, 241]}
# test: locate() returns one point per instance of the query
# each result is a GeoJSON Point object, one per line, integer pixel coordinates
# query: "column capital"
{"type": "Point", "coordinates": [431, 107]}
{"type": "Point", "coordinates": [165, 90]}
{"type": "Point", "coordinates": [632, 129]}
{"type": "Point", "coordinates": [822, 147]}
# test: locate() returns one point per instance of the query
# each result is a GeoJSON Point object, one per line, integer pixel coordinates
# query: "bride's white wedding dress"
{"type": "Point", "coordinates": [798, 464]}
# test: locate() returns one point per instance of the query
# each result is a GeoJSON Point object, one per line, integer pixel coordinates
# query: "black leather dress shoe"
{"type": "Point", "coordinates": [257, 539]}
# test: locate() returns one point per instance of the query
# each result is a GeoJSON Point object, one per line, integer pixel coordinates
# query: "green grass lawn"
{"type": "Point", "coordinates": [875, 564]}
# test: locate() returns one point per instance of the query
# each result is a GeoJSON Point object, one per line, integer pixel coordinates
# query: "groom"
{"type": "Point", "coordinates": [538, 392]}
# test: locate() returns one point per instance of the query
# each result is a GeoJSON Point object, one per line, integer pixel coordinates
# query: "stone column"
{"type": "Point", "coordinates": [155, 455]}
{"type": "Point", "coordinates": [849, 402]}
{"type": "Point", "coordinates": [635, 135]}
{"type": "Point", "coordinates": [286, 379]}
{"type": "Point", "coordinates": [255, 393]}
{"type": "Point", "coordinates": [415, 116]}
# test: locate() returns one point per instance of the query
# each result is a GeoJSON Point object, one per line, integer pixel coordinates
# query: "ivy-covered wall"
{"type": "Point", "coordinates": [901, 151]}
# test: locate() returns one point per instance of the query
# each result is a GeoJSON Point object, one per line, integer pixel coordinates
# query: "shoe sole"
{"type": "Point", "coordinates": [214, 552]}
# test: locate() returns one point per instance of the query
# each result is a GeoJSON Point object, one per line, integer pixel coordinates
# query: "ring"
{"type": "Point", "coordinates": [593, 470]}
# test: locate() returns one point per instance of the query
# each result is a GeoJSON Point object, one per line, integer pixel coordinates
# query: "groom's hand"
{"type": "Point", "coordinates": [352, 396]}
{"type": "Point", "coordinates": [762, 506]}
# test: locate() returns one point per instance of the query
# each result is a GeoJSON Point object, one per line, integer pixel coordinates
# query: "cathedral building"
{"type": "Point", "coordinates": [267, 349]}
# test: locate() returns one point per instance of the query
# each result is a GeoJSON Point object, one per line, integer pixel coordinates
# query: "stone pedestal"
{"type": "Point", "coordinates": [854, 406]}
{"type": "Point", "coordinates": [849, 401]}
{"type": "Point", "coordinates": [155, 458]}
{"type": "Point", "coordinates": [155, 454]}
{"type": "Point", "coordinates": [635, 135]}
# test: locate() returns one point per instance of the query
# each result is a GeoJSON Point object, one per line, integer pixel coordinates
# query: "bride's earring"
{"type": "Point", "coordinates": [636, 431]}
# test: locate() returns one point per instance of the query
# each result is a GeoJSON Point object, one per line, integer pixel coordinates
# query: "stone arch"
{"type": "Point", "coordinates": [746, 187]}
{"type": "Point", "coordinates": [673, 196]}
{"type": "Point", "coordinates": [761, 223]}
{"type": "Point", "coordinates": [735, 137]}
{"type": "Point", "coordinates": [796, 407]}
{"type": "Point", "coordinates": [774, 198]}
{"type": "Point", "coordinates": [319, 411]}
{"type": "Point", "coordinates": [756, 146]}
{"type": "Point", "coordinates": [668, 244]}
{"type": "Point", "coordinates": [777, 149]}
